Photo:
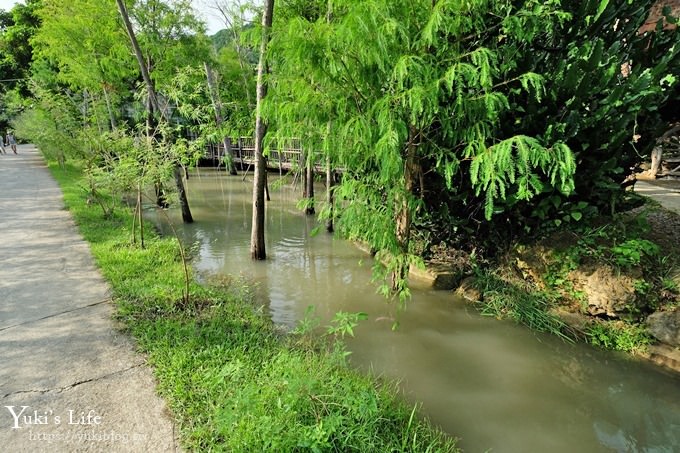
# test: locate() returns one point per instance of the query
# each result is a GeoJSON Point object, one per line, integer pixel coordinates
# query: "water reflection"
{"type": "Point", "coordinates": [496, 385]}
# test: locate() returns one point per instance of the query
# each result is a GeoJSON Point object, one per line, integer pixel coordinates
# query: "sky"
{"type": "Point", "coordinates": [213, 21]}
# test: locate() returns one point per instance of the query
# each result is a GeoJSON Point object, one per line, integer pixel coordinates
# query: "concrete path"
{"type": "Point", "coordinates": [68, 380]}
{"type": "Point", "coordinates": [665, 191]}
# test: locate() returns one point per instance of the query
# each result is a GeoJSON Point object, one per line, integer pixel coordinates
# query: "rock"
{"type": "Point", "coordinates": [467, 290]}
{"type": "Point", "coordinates": [607, 291]}
{"type": "Point", "coordinates": [532, 263]}
{"type": "Point", "coordinates": [438, 276]}
{"type": "Point", "coordinates": [665, 326]}
{"type": "Point", "coordinates": [664, 355]}
{"type": "Point", "coordinates": [577, 322]}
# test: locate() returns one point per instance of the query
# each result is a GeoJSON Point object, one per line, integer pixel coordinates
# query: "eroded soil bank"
{"type": "Point", "coordinates": [614, 284]}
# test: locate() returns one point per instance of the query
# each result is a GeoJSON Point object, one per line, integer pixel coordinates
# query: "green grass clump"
{"type": "Point", "coordinates": [506, 300]}
{"type": "Point", "coordinates": [618, 336]}
{"type": "Point", "coordinates": [233, 381]}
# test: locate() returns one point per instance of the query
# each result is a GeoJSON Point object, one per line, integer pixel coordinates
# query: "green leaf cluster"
{"type": "Point", "coordinates": [384, 80]}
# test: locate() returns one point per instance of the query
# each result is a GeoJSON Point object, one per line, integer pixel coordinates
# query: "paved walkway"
{"type": "Point", "coordinates": [665, 191]}
{"type": "Point", "coordinates": [69, 381]}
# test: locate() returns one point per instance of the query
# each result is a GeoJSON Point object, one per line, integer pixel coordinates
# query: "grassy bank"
{"type": "Point", "coordinates": [233, 382]}
{"type": "Point", "coordinates": [557, 283]}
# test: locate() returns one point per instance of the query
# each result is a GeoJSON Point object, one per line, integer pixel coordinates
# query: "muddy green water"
{"type": "Point", "coordinates": [497, 386]}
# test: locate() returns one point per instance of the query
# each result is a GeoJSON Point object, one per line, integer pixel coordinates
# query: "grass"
{"type": "Point", "coordinates": [506, 300]}
{"type": "Point", "coordinates": [233, 381]}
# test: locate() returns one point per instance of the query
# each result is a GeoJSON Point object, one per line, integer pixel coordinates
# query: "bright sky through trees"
{"type": "Point", "coordinates": [212, 20]}
{"type": "Point", "coordinates": [7, 4]}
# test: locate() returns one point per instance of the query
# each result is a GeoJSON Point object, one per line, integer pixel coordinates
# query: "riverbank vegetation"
{"type": "Point", "coordinates": [234, 381]}
{"type": "Point", "coordinates": [596, 281]}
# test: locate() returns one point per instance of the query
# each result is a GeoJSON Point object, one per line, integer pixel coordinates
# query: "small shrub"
{"type": "Point", "coordinates": [630, 252]}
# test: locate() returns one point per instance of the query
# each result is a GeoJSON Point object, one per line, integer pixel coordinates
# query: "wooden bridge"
{"type": "Point", "coordinates": [283, 158]}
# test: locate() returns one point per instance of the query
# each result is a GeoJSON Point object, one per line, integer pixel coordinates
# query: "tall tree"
{"type": "Point", "coordinates": [95, 60]}
{"type": "Point", "coordinates": [154, 106]}
{"type": "Point", "coordinates": [309, 182]}
{"type": "Point", "coordinates": [141, 61]}
{"type": "Point", "coordinates": [234, 14]}
{"type": "Point", "coordinates": [17, 28]}
{"type": "Point", "coordinates": [257, 237]}
{"type": "Point", "coordinates": [217, 107]}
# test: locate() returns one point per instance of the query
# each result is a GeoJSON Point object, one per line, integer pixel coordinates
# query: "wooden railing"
{"type": "Point", "coordinates": [285, 157]}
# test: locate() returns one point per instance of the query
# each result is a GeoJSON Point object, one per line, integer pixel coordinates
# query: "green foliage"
{"type": "Point", "coordinates": [423, 85]}
{"type": "Point", "coordinates": [308, 323]}
{"type": "Point", "coordinates": [623, 245]}
{"type": "Point", "coordinates": [618, 336]}
{"type": "Point", "coordinates": [630, 252]}
{"type": "Point", "coordinates": [152, 275]}
{"type": "Point", "coordinates": [82, 78]}
{"type": "Point", "coordinates": [17, 28]}
{"type": "Point", "coordinates": [92, 58]}
{"type": "Point", "coordinates": [232, 381]}
{"type": "Point", "coordinates": [493, 171]}
{"type": "Point", "coordinates": [170, 35]}
{"type": "Point", "coordinates": [619, 243]}
{"type": "Point", "coordinates": [54, 124]}
{"type": "Point", "coordinates": [343, 324]}
{"type": "Point", "coordinates": [608, 96]}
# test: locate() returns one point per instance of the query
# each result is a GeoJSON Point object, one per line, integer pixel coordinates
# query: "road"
{"type": "Point", "coordinates": [69, 380]}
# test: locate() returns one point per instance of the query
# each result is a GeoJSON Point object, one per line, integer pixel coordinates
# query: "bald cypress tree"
{"type": "Point", "coordinates": [414, 88]}
{"type": "Point", "coordinates": [257, 237]}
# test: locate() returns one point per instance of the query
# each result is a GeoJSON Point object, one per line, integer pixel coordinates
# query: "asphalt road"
{"type": "Point", "coordinates": [69, 381]}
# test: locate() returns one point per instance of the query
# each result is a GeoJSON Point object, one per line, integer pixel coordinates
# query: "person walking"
{"type": "Point", "coordinates": [11, 141]}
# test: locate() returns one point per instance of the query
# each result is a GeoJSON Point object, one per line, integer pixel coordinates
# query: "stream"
{"type": "Point", "coordinates": [495, 385]}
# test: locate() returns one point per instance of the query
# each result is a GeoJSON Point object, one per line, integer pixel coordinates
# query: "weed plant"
{"type": "Point", "coordinates": [233, 381]}
{"type": "Point", "coordinates": [618, 336]}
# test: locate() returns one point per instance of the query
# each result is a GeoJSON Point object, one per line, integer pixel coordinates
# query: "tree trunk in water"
{"type": "Point", "coordinates": [266, 185]}
{"type": "Point", "coordinates": [404, 216]}
{"type": "Point", "coordinates": [257, 243]}
{"type": "Point", "coordinates": [230, 152]}
{"type": "Point", "coordinates": [183, 201]}
{"type": "Point", "coordinates": [217, 107]}
{"type": "Point", "coordinates": [309, 210]}
{"type": "Point", "coordinates": [303, 174]}
{"type": "Point", "coordinates": [330, 181]}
